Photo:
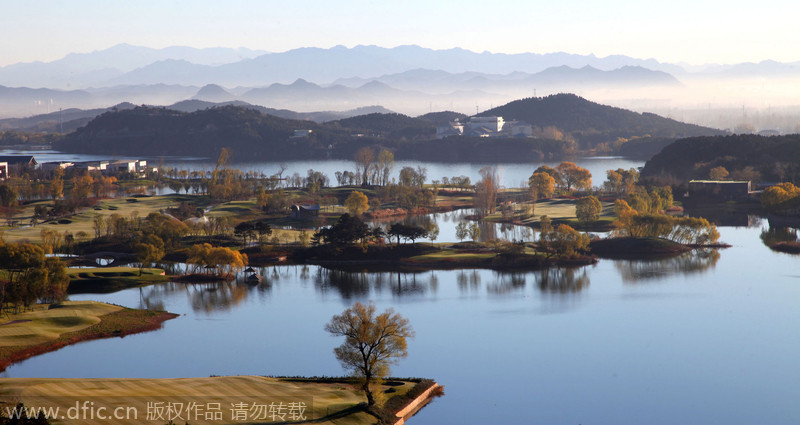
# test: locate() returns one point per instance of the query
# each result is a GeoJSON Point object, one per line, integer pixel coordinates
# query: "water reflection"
{"type": "Point", "coordinates": [562, 280]}
{"type": "Point", "coordinates": [468, 280]}
{"type": "Point", "coordinates": [507, 283]}
{"type": "Point", "coordinates": [352, 285]}
{"type": "Point", "coordinates": [772, 235]}
{"type": "Point", "coordinates": [696, 261]}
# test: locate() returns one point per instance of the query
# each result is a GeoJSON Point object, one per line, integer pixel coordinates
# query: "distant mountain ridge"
{"type": "Point", "coordinates": [70, 120]}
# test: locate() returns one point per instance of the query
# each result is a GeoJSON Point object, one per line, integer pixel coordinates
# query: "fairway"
{"type": "Point", "coordinates": [45, 324]}
{"type": "Point", "coordinates": [220, 397]}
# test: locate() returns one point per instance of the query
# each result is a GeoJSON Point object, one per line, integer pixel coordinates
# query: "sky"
{"type": "Point", "coordinates": [677, 31]}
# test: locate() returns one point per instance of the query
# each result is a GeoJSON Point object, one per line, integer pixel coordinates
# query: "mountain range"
{"type": "Point", "coordinates": [419, 87]}
{"type": "Point", "coordinates": [408, 79]}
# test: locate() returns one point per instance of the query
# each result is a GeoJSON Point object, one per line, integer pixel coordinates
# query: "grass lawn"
{"type": "Point", "coordinates": [323, 400]}
{"type": "Point", "coordinates": [128, 273]}
{"type": "Point", "coordinates": [558, 210]}
{"type": "Point", "coordinates": [50, 327]}
{"type": "Point", "coordinates": [452, 255]}
{"type": "Point", "coordinates": [43, 324]}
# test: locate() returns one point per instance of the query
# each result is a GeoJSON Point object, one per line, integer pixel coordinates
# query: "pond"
{"type": "Point", "coordinates": [704, 338]}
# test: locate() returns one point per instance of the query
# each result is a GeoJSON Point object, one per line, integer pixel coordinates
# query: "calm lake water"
{"type": "Point", "coordinates": [511, 175]}
{"type": "Point", "coordinates": [706, 338]}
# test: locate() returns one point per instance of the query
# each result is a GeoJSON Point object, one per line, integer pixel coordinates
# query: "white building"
{"type": "Point", "coordinates": [519, 129]}
{"type": "Point", "coordinates": [454, 128]}
{"type": "Point", "coordinates": [493, 124]}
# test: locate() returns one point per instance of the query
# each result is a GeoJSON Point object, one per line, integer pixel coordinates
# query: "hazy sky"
{"type": "Point", "coordinates": [691, 31]}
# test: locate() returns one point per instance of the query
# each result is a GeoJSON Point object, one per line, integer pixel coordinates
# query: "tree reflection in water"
{"type": "Point", "coordinates": [351, 285]}
{"type": "Point", "coordinates": [776, 234]}
{"type": "Point", "coordinates": [506, 282]}
{"type": "Point", "coordinates": [562, 280]}
{"type": "Point", "coordinates": [468, 280]}
{"type": "Point", "coordinates": [696, 261]}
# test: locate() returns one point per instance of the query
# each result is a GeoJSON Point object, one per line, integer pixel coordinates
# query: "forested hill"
{"type": "Point", "coordinates": [253, 135]}
{"type": "Point", "coordinates": [591, 123]}
{"type": "Point", "coordinates": [744, 156]}
{"type": "Point", "coordinates": [158, 131]}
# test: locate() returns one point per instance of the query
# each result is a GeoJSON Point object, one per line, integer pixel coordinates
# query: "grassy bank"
{"type": "Point", "coordinates": [111, 279]}
{"type": "Point", "coordinates": [327, 401]}
{"type": "Point", "coordinates": [50, 327]}
{"type": "Point", "coordinates": [560, 211]}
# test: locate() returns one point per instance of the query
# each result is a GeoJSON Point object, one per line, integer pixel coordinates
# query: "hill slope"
{"type": "Point", "coordinates": [591, 123]}
{"type": "Point", "coordinates": [772, 158]}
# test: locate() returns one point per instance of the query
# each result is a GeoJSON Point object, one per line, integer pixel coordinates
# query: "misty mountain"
{"type": "Point", "coordinates": [23, 101]}
{"type": "Point", "coordinates": [764, 69]}
{"type": "Point", "coordinates": [77, 70]}
{"type": "Point", "coordinates": [66, 121]}
{"type": "Point", "coordinates": [214, 93]}
{"type": "Point", "coordinates": [193, 105]}
{"type": "Point", "coordinates": [561, 78]}
{"type": "Point", "coordinates": [71, 119]}
{"type": "Point", "coordinates": [133, 65]}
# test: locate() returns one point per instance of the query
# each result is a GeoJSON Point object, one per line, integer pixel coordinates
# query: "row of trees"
{"type": "Point", "coordinates": [349, 230]}
{"type": "Point", "coordinates": [224, 259]}
{"type": "Point", "coordinates": [566, 176]}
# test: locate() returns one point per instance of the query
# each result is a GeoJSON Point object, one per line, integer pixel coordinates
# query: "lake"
{"type": "Point", "coordinates": [704, 338]}
{"type": "Point", "coordinates": [511, 175]}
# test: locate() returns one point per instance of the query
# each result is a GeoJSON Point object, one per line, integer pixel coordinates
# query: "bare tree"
{"type": "Point", "coordinates": [372, 342]}
{"type": "Point", "coordinates": [364, 159]}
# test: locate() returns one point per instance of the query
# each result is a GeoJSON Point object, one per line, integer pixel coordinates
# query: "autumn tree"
{"type": "Point", "coordinates": [486, 190]}
{"type": "Point", "coordinates": [780, 197]}
{"type": "Point", "coordinates": [373, 342]}
{"type": "Point", "coordinates": [385, 164]}
{"type": "Point", "coordinates": [621, 180]}
{"type": "Point", "coordinates": [57, 183]}
{"type": "Point", "coordinates": [564, 240]}
{"type": "Point", "coordinates": [357, 203]}
{"type": "Point", "coordinates": [149, 250]}
{"type": "Point", "coordinates": [542, 184]}
{"type": "Point", "coordinates": [573, 176]}
{"type": "Point", "coordinates": [718, 173]}
{"type": "Point", "coordinates": [588, 209]}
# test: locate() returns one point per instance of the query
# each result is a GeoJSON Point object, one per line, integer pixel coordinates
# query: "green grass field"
{"type": "Point", "coordinates": [43, 324]}
{"type": "Point", "coordinates": [326, 403]}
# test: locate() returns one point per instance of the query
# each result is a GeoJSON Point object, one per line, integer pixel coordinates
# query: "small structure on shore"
{"type": "Point", "coordinates": [305, 211]}
{"type": "Point", "coordinates": [728, 190]}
